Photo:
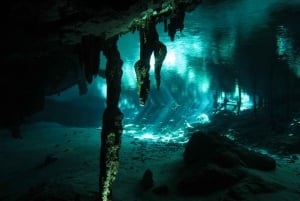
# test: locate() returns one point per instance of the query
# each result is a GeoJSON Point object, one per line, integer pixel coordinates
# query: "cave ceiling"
{"type": "Point", "coordinates": [42, 37]}
{"type": "Point", "coordinates": [38, 28]}
{"type": "Point", "coordinates": [40, 42]}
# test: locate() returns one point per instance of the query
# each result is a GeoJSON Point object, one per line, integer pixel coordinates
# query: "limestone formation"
{"type": "Point", "coordinates": [112, 121]}
{"type": "Point", "coordinates": [63, 40]}
{"type": "Point", "coordinates": [149, 43]}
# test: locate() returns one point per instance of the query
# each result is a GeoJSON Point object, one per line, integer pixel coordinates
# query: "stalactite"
{"type": "Point", "coordinates": [176, 21]}
{"type": "Point", "coordinates": [112, 118]}
{"type": "Point", "coordinates": [89, 50]}
{"type": "Point", "coordinates": [143, 81]}
{"type": "Point", "coordinates": [165, 25]}
{"type": "Point", "coordinates": [112, 121]}
{"type": "Point", "coordinates": [160, 52]}
{"type": "Point", "coordinates": [113, 71]}
{"type": "Point", "coordinates": [149, 43]}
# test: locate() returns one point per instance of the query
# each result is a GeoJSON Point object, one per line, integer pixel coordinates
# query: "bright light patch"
{"type": "Point", "coordinates": [128, 125]}
{"type": "Point", "coordinates": [286, 48]}
{"type": "Point", "coordinates": [221, 98]}
{"type": "Point", "coordinates": [167, 138]}
{"type": "Point", "coordinates": [283, 42]}
{"type": "Point", "coordinates": [191, 76]}
{"type": "Point", "coordinates": [129, 77]}
{"type": "Point", "coordinates": [101, 86]}
{"type": "Point", "coordinates": [131, 132]}
{"type": "Point", "coordinates": [264, 152]}
{"type": "Point", "coordinates": [175, 60]}
{"type": "Point", "coordinates": [124, 103]}
{"type": "Point", "coordinates": [147, 136]}
{"type": "Point", "coordinates": [204, 87]}
{"type": "Point", "coordinates": [236, 90]}
{"type": "Point", "coordinates": [203, 118]}
{"type": "Point", "coordinates": [197, 46]}
{"type": "Point", "coordinates": [170, 58]}
{"type": "Point", "coordinates": [246, 102]}
{"type": "Point", "coordinates": [176, 136]}
{"type": "Point", "coordinates": [281, 46]}
{"type": "Point", "coordinates": [152, 61]}
{"type": "Point", "coordinates": [245, 97]}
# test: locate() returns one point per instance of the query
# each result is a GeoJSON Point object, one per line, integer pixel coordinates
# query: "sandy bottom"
{"type": "Point", "coordinates": [73, 168]}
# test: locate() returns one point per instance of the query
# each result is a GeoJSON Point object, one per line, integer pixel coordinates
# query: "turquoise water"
{"type": "Point", "coordinates": [223, 47]}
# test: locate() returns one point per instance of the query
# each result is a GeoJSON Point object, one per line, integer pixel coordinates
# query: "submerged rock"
{"type": "Point", "coordinates": [147, 180]}
{"type": "Point", "coordinates": [204, 148]}
{"type": "Point", "coordinates": [214, 162]}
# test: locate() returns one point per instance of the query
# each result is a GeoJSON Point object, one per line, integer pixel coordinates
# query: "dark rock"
{"type": "Point", "coordinates": [161, 190]}
{"type": "Point", "coordinates": [255, 160]}
{"type": "Point", "coordinates": [257, 185]}
{"type": "Point", "coordinates": [227, 159]}
{"type": "Point", "coordinates": [209, 179]}
{"type": "Point", "coordinates": [214, 162]}
{"type": "Point", "coordinates": [147, 180]}
{"type": "Point", "coordinates": [249, 186]}
{"type": "Point", "coordinates": [204, 148]}
{"type": "Point", "coordinates": [201, 148]}
{"type": "Point", "coordinates": [51, 192]}
{"type": "Point", "coordinates": [49, 159]}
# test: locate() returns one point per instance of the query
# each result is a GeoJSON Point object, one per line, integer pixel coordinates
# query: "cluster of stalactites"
{"type": "Point", "coordinates": [172, 11]}
{"type": "Point", "coordinates": [89, 50]}
{"type": "Point", "coordinates": [176, 21]}
{"type": "Point", "coordinates": [149, 43]}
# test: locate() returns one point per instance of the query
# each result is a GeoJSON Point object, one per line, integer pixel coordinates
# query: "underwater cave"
{"type": "Point", "coordinates": [148, 101]}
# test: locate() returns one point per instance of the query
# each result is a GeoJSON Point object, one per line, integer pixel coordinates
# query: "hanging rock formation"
{"type": "Point", "coordinates": [176, 21]}
{"type": "Point", "coordinates": [112, 117]}
{"type": "Point", "coordinates": [51, 46]}
{"type": "Point", "coordinates": [149, 43]}
{"type": "Point", "coordinates": [89, 50]}
{"type": "Point", "coordinates": [41, 42]}
{"type": "Point", "coordinates": [112, 121]}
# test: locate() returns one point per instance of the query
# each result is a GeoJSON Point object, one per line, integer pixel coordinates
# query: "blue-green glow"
{"type": "Point", "coordinates": [203, 118]}
{"type": "Point", "coordinates": [101, 86]}
{"type": "Point", "coordinates": [284, 44]}
{"type": "Point", "coordinates": [187, 89]}
{"type": "Point", "coordinates": [286, 49]}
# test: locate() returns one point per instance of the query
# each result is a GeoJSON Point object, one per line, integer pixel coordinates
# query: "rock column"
{"type": "Point", "coordinates": [112, 121]}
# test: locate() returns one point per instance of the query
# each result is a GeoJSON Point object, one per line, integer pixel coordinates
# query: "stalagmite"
{"type": "Point", "coordinates": [112, 121]}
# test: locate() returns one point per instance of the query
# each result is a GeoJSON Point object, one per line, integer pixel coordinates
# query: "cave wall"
{"type": "Point", "coordinates": [50, 46]}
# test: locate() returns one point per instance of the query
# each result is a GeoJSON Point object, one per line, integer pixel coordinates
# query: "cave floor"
{"type": "Point", "coordinates": [56, 161]}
